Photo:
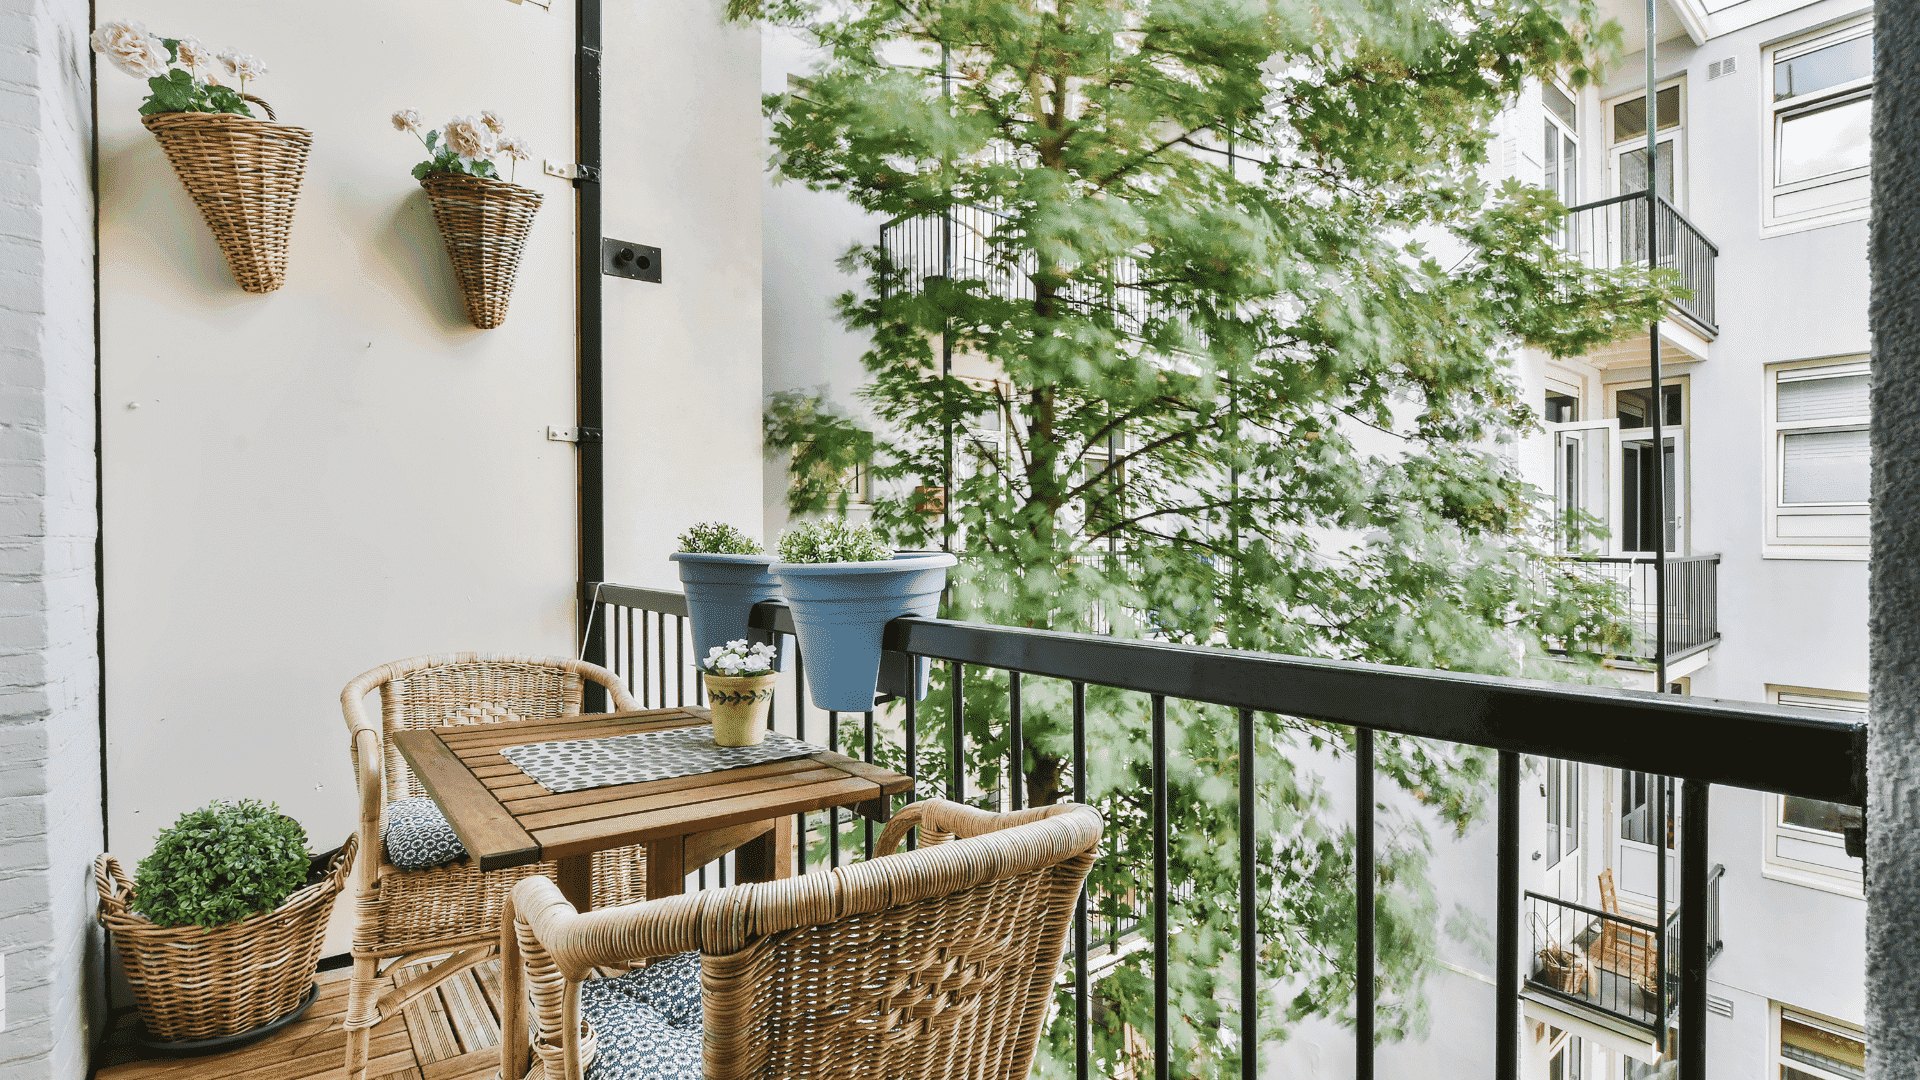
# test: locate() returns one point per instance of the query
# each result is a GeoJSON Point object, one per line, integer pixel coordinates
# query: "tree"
{"type": "Point", "coordinates": [1247, 310]}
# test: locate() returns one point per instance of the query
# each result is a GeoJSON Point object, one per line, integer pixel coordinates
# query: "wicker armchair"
{"type": "Point", "coordinates": [410, 915]}
{"type": "Point", "coordinates": [937, 962]}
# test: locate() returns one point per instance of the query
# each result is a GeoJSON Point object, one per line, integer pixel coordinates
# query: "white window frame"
{"type": "Point", "coordinates": [1828, 547]}
{"type": "Point", "coordinates": [1798, 871]}
{"type": "Point", "coordinates": [1812, 1019]}
{"type": "Point", "coordinates": [1676, 135]}
{"type": "Point", "coordinates": [1775, 112]}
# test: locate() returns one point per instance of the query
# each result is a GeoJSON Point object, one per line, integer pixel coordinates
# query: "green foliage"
{"type": "Point", "coordinates": [832, 541]}
{"type": "Point", "coordinates": [718, 538]}
{"type": "Point", "coordinates": [1250, 312]}
{"type": "Point", "coordinates": [178, 91]}
{"type": "Point", "coordinates": [444, 160]}
{"type": "Point", "coordinates": [221, 863]}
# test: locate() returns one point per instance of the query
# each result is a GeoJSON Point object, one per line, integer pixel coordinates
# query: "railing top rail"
{"type": "Point", "coordinates": [1774, 748]}
{"type": "Point", "coordinates": [1596, 912]}
{"type": "Point", "coordinates": [1640, 560]}
{"type": "Point", "coordinates": [1631, 196]}
{"type": "Point", "coordinates": [1688, 222]}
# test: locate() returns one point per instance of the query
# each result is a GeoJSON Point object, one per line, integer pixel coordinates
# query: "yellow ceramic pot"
{"type": "Point", "coordinates": [739, 705]}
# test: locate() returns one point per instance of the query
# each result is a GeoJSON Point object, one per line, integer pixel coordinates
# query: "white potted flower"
{"type": "Point", "coordinates": [724, 574]}
{"type": "Point", "coordinates": [739, 680]}
{"type": "Point", "coordinates": [243, 173]}
{"type": "Point", "coordinates": [484, 220]}
{"type": "Point", "coordinates": [844, 583]}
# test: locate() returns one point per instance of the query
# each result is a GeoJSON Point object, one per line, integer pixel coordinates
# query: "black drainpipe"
{"type": "Point", "coordinates": [591, 457]}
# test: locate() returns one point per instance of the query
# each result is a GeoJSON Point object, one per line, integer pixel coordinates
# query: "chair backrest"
{"type": "Point", "coordinates": [1609, 898]}
{"type": "Point", "coordinates": [471, 688]}
{"type": "Point", "coordinates": [934, 962]}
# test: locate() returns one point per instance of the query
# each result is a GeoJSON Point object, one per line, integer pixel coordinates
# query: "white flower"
{"type": "Point", "coordinates": [194, 54]}
{"type": "Point", "coordinates": [407, 120]}
{"type": "Point", "coordinates": [516, 147]}
{"type": "Point", "coordinates": [493, 122]}
{"type": "Point", "coordinates": [131, 49]}
{"type": "Point", "coordinates": [241, 66]}
{"type": "Point", "coordinates": [470, 138]}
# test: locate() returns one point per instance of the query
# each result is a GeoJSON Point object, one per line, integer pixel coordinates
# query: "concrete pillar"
{"type": "Point", "coordinates": [50, 813]}
{"type": "Point", "coordinates": [1893, 810]}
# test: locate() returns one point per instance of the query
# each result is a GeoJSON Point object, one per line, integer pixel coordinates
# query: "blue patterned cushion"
{"type": "Point", "coordinates": [417, 835]}
{"type": "Point", "coordinates": [647, 1022]}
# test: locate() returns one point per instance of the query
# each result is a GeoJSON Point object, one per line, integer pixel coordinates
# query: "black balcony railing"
{"type": "Point", "coordinates": [1610, 233]}
{"type": "Point", "coordinates": [1761, 747]}
{"type": "Point", "coordinates": [1693, 598]}
{"type": "Point", "coordinates": [1606, 960]}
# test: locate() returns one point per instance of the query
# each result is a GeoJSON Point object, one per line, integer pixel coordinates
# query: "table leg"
{"type": "Point", "coordinates": [666, 867]}
{"type": "Point", "coordinates": [769, 856]}
{"type": "Point", "coordinates": [576, 881]}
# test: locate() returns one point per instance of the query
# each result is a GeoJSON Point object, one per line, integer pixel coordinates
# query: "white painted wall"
{"type": "Point", "coordinates": [344, 472]}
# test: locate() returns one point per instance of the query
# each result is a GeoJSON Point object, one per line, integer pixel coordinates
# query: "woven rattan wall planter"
{"type": "Point", "coordinates": [244, 175]}
{"type": "Point", "coordinates": [195, 985]}
{"type": "Point", "coordinates": [485, 224]}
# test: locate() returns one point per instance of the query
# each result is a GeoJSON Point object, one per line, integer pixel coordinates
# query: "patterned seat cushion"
{"type": "Point", "coordinates": [647, 1022]}
{"type": "Point", "coordinates": [417, 835]}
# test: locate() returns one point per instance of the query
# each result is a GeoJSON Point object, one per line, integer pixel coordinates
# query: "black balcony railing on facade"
{"type": "Point", "coordinates": [1606, 961]}
{"type": "Point", "coordinates": [1761, 747]}
{"type": "Point", "coordinates": [1693, 598]}
{"type": "Point", "coordinates": [1610, 233]}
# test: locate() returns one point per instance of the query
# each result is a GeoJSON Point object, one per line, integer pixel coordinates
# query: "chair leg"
{"type": "Point", "coordinates": [362, 992]}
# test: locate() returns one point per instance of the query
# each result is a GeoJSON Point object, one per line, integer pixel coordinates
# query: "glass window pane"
{"type": "Point", "coordinates": [1814, 814]}
{"type": "Point", "coordinates": [1822, 399]}
{"type": "Point", "coordinates": [1825, 141]}
{"type": "Point", "coordinates": [1824, 467]}
{"type": "Point", "coordinates": [1630, 116]}
{"type": "Point", "coordinates": [1821, 68]}
{"type": "Point", "coordinates": [1633, 174]}
{"type": "Point", "coordinates": [1830, 1051]}
{"type": "Point", "coordinates": [1558, 103]}
{"type": "Point", "coordinates": [1553, 158]}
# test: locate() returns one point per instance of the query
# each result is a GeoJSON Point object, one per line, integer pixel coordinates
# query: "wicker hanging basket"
{"type": "Point", "coordinates": [244, 175]}
{"type": "Point", "coordinates": [193, 984]}
{"type": "Point", "coordinates": [1564, 970]}
{"type": "Point", "coordinates": [485, 224]}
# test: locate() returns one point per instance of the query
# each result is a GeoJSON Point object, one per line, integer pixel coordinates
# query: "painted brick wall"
{"type": "Point", "coordinates": [49, 667]}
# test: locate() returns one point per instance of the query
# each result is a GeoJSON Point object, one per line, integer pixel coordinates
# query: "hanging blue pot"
{"type": "Point", "coordinates": [721, 591]}
{"type": "Point", "coordinates": [838, 611]}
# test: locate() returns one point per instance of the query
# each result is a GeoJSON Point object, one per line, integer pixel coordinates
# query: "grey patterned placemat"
{"type": "Point", "coordinates": [579, 764]}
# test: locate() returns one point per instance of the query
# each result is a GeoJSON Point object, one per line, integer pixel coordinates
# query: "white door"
{"type": "Point", "coordinates": [1639, 471]}
{"type": "Point", "coordinates": [1586, 485]}
{"type": "Point", "coordinates": [1639, 836]}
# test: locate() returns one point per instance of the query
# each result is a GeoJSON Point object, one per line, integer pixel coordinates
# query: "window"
{"type": "Point", "coordinates": [1640, 470]}
{"type": "Point", "coordinates": [1820, 110]}
{"type": "Point", "coordinates": [1563, 810]}
{"type": "Point", "coordinates": [1812, 1047]}
{"type": "Point", "coordinates": [1628, 128]}
{"type": "Point", "coordinates": [1806, 838]}
{"type": "Point", "coordinates": [1562, 408]}
{"type": "Point", "coordinates": [1819, 469]}
{"type": "Point", "coordinates": [1562, 152]}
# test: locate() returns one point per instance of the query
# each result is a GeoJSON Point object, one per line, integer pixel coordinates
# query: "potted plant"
{"type": "Point", "coordinates": [739, 680]}
{"type": "Point", "coordinates": [219, 930]}
{"type": "Point", "coordinates": [483, 219]}
{"type": "Point", "coordinates": [242, 172]}
{"type": "Point", "coordinates": [724, 575]}
{"type": "Point", "coordinates": [844, 583]}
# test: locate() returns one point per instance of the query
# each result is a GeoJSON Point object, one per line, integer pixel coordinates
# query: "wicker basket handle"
{"type": "Point", "coordinates": [262, 102]}
{"type": "Point", "coordinates": [114, 886]}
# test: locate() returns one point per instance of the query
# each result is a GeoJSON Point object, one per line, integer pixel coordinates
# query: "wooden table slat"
{"type": "Point", "coordinates": [565, 840]}
{"type": "Point", "coordinates": [525, 804]}
{"type": "Point", "coordinates": [595, 811]}
{"type": "Point", "coordinates": [483, 825]}
{"type": "Point", "coordinates": [601, 730]}
{"type": "Point", "coordinates": [510, 728]}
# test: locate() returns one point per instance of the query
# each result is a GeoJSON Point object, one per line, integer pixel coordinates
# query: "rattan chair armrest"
{"type": "Point", "coordinates": [957, 819]}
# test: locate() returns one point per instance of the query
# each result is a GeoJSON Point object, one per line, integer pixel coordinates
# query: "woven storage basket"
{"type": "Point", "coordinates": [244, 175]}
{"type": "Point", "coordinates": [194, 984]}
{"type": "Point", "coordinates": [485, 224]}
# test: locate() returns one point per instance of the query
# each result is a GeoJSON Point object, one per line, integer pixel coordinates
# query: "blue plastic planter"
{"type": "Point", "coordinates": [721, 591]}
{"type": "Point", "coordinates": [838, 610]}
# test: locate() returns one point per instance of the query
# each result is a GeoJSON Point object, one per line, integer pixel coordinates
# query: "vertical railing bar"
{"type": "Point", "coordinates": [660, 636]}
{"type": "Point", "coordinates": [1016, 743]}
{"type": "Point", "coordinates": [611, 615]}
{"type": "Point", "coordinates": [628, 638]}
{"type": "Point", "coordinates": [639, 675]}
{"type": "Point", "coordinates": [680, 664]}
{"type": "Point", "coordinates": [1249, 912]}
{"type": "Point", "coordinates": [833, 812]}
{"type": "Point", "coordinates": [913, 745]}
{"type": "Point", "coordinates": [1506, 1050]}
{"type": "Point", "coordinates": [1363, 988]}
{"type": "Point", "coordinates": [867, 756]}
{"type": "Point", "coordinates": [800, 732]}
{"type": "Point", "coordinates": [957, 788]}
{"type": "Point", "coordinates": [1660, 899]}
{"type": "Point", "coordinates": [1162, 1060]}
{"type": "Point", "coordinates": [1082, 1013]}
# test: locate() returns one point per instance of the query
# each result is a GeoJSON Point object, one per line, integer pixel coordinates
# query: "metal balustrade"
{"type": "Point", "coordinates": [1760, 747]}
{"type": "Point", "coordinates": [1693, 599]}
{"type": "Point", "coordinates": [1611, 233]}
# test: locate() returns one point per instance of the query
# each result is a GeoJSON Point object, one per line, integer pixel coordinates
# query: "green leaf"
{"type": "Point", "coordinates": [421, 170]}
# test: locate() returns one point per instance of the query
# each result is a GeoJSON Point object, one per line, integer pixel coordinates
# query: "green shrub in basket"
{"type": "Point", "coordinates": [221, 863]}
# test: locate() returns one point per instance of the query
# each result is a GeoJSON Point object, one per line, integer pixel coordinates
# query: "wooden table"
{"type": "Point", "coordinates": [506, 819]}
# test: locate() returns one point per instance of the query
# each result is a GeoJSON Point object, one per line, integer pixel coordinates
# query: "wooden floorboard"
{"type": "Point", "coordinates": [450, 1033]}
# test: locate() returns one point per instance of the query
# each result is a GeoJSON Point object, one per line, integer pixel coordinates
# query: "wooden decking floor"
{"type": "Point", "coordinates": [452, 1033]}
